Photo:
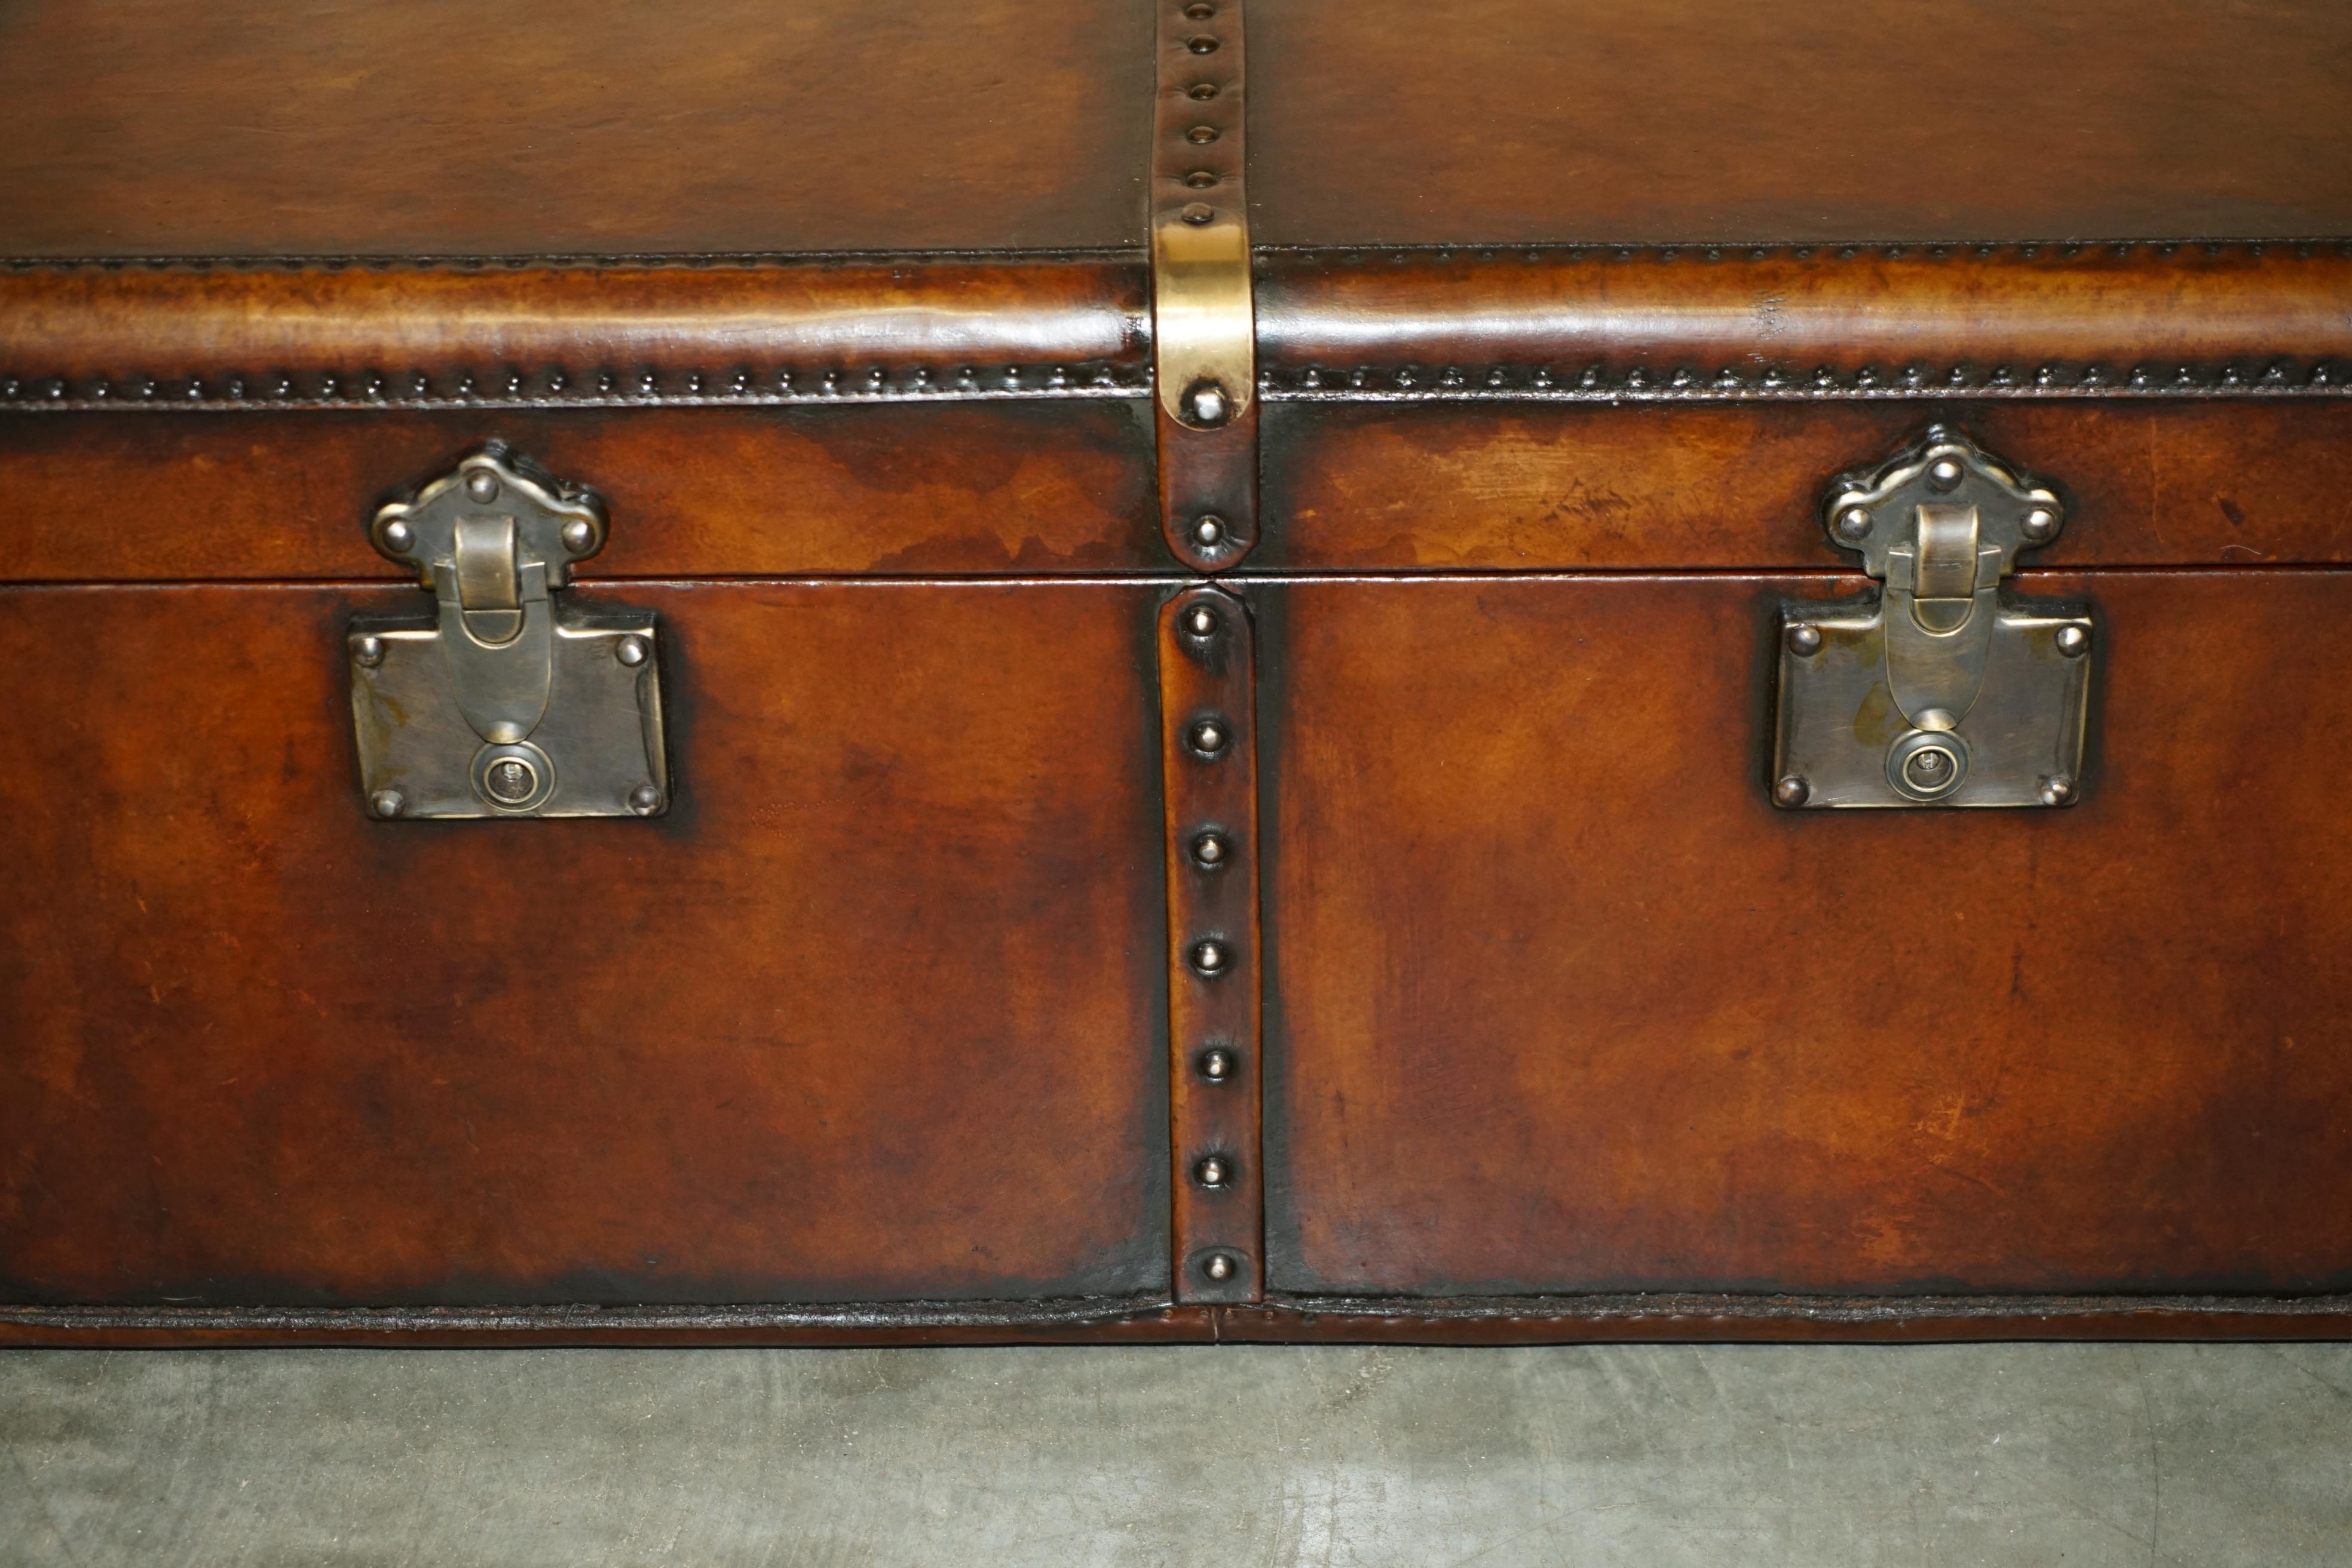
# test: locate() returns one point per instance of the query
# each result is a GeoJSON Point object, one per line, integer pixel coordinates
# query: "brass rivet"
{"type": "Point", "coordinates": [1201, 135]}
{"type": "Point", "coordinates": [1220, 1267]}
{"type": "Point", "coordinates": [1204, 89]}
{"type": "Point", "coordinates": [1200, 179]}
{"type": "Point", "coordinates": [1213, 1172]}
{"type": "Point", "coordinates": [2057, 789]}
{"type": "Point", "coordinates": [1209, 849]}
{"type": "Point", "coordinates": [1944, 473]}
{"type": "Point", "coordinates": [1217, 1065]}
{"type": "Point", "coordinates": [369, 651]}
{"type": "Point", "coordinates": [1209, 532]}
{"type": "Point", "coordinates": [1210, 957]}
{"type": "Point", "coordinates": [1198, 212]}
{"type": "Point", "coordinates": [1200, 10]}
{"type": "Point", "coordinates": [1202, 44]}
{"type": "Point", "coordinates": [2073, 641]}
{"type": "Point", "coordinates": [1202, 621]}
{"type": "Point", "coordinates": [482, 485]}
{"type": "Point", "coordinates": [398, 536]}
{"type": "Point", "coordinates": [1792, 791]}
{"type": "Point", "coordinates": [1804, 640]}
{"type": "Point", "coordinates": [578, 536]}
{"type": "Point", "coordinates": [388, 803]}
{"type": "Point", "coordinates": [1853, 525]}
{"type": "Point", "coordinates": [2039, 524]}
{"type": "Point", "coordinates": [645, 800]}
{"type": "Point", "coordinates": [1205, 405]}
{"type": "Point", "coordinates": [632, 651]}
{"type": "Point", "coordinates": [1208, 737]}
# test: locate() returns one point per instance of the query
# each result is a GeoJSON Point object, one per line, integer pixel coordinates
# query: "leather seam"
{"type": "Point", "coordinates": [1819, 252]}
{"type": "Point", "coordinates": [558, 386]}
{"type": "Point", "coordinates": [627, 261]}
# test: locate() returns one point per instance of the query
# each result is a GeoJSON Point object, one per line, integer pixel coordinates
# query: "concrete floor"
{"type": "Point", "coordinates": [1732, 1457]}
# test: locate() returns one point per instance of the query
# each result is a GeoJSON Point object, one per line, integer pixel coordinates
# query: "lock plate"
{"type": "Point", "coordinates": [1942, 687]}
{"type": "Point", "coordinates": [508, 701]}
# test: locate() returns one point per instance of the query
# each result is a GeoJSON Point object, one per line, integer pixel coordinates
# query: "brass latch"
{"type": "Point", "coordinates": [508, 702]}
{"type": "Point", "coordinates": [1942, 689]}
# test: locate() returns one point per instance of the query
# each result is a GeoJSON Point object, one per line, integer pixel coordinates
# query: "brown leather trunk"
{"type": "Point", "coordinates": [1009, 850]}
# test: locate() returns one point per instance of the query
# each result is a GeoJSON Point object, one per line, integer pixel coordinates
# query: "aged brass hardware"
{"type": "Point", "coordinates": [508, 701]}
{"type": "Point", "coordinates": [1203, 334]}
{"type": "Point", "coordinates": [1942, 687]}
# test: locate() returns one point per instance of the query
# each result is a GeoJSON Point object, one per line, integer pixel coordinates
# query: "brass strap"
{"type": "Point", "coordinates": [1204, 331]}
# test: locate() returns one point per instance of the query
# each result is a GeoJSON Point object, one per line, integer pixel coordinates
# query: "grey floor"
{"type": "Point", "coordinates": [1731, 1457]}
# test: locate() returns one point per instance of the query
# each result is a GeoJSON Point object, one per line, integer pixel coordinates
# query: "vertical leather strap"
{"type": "Point", "coordinates": [1204, 331]}
{"type": "Point", "coordinates": [1209, 758]}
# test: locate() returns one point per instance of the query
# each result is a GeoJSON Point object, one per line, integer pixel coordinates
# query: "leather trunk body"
{"type": "Point", "coordinates": [1520, 996]}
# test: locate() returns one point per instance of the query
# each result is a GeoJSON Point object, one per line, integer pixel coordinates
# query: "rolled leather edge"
{"type": "Point", "coordinates": [361, 331]}
{"type": "Point", "coordinates": [1743, 320]}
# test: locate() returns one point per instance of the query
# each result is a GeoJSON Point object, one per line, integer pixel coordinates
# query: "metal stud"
{"type": "Point", "coordinates": [399, 538]}
{"type": "Point", "coordinates": [1208, 737]}
{"type": "Point", "coordinates": [388, 803]}
{"type": "Point", "coordinates": [1220, 1267]}
{"type": "Point", "coordinates": [482, 485]}
{"type": "Point", "coordinates": [1804, 640]}
{"type": "Point", "coordinates": [1792, 791]}
{"type": "Point", "coordinates": [2057, 789]}
{"type": "Point", "coordinates": [1209, 532]}
{"type": "Point", "coordinates": [577, 537]}
{"type": "Point", "coordinates": [1210, 851]}
{"type": "Point", "coordinates": [1214, 1171]}
{"type": "Point", "coordinates": [369, 651]}
{"type": "Point", "coordinates": [645, 800]}
{"type": "Point", "coordinates": [1210, 958]}
{"type": "Point", "coordinates": [1205, 404]}
{"type": "Point", "coordinates": [1944, 473]}
{"type": "Point", "coordinates": [1853, 525]}
{"type": "Point", "coordinates": [1197, 213]}
{"type": "Point", "coordinates": [632, 651]}
{"type": "Point", "coordinates": [2073, 641]}
{"type": "Point", "coordinates": [1203, 621]}
{"type": "Point", "coordinates": [1216, 1065]}
{"type": "Point", "coordinates": [2039, 524]}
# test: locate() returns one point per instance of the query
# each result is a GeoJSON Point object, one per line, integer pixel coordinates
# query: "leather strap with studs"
{"type": "Point", "coordinates": [1204, 331]}
{"type": "Point", "coordinates": [1209, 757]}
